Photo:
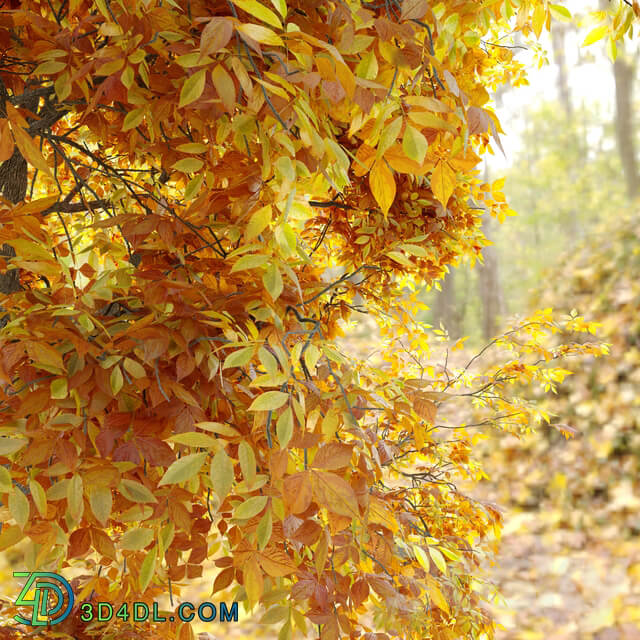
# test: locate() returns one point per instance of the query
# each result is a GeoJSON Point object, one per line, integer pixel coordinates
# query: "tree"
{"type": "Point", "coordinates": [177, 178]}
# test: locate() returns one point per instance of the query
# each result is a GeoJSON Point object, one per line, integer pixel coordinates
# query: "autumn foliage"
{"type": "Point", "coordinates": [180, 182]}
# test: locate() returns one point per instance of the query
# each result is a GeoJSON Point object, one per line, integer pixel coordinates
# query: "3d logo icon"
{"type": "Point", "coordinates": [46, 584]}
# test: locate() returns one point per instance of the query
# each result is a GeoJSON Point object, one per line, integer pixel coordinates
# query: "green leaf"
{"type": "Point", "coordinates": [133, 119]}
{"type": "Point", "coordinates": [264, 530]}
{"type": "Point", "coordinates": [135, 491]}
{"type": "Point", "coordinates": [101, 502]}
{"type": "Point", "coordinates": [6, 484]}
{"type": "Point", "coordinates": [249, 262]}
{"type": "Point", "coordinates": [222, 475]}
{"type": "Point", "coordinates": [281, 6]}
{"type": "Point", "coordinates": [414, 144]}
{"type": "Point", "coordinates": [269, 401]}
{"type": "Point", "coordinates": [195, 439]}
{"type": "Point", "coordinates": [389, 136]}
{"type": "Point", "coordinates": [272, 280]}
{"type": "Point", "coordinates": [560, 13]}
{"type": "Point", "coordinates": [19, 507]}
{"type": "Point", "coordinates": [284, 427]}
{"type": "Point", "coordinates": [247, 461]}
{"type": "Point", "coordinates": [39, 497]}
{"type": "Point", "coordinates": [188, 165]}
{"type": "Point", "coordinates": [11, 445]}
{"type": "Point", "coordinates": [148, 568]}
{"type": "Point", "coordinates": [136, 539]}
{"type": "Point", "coordinates": [59, 389]}
{"type": "Point", "coordinates": [192, 88]}
{"type": "Point", "coordinates": [239, 358]}
{"type": "Point", "coordinates": [258, 222]}
{"type": "Point", "coordinates": [134, 368]}
{"type": "Point", "coordinates": [183, 469]}
{"type": "Point", "coordinates": [75, 497]}
{"type": "Point", "coordinates": [250, 508]}
{"type": "Point", "coordinates": [116, 380]}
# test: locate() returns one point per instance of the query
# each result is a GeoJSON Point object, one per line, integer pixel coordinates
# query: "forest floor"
{"type": "Point", "coordinates": [562, 576]}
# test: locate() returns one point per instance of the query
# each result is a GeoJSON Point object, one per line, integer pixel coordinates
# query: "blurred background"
{"type": "Point", "coordinates": [569, 561]}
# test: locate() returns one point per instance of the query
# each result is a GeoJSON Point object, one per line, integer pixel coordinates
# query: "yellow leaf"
{"type": "Point", "coordinates": [261, 34]}
{"type": "Point", "coordinates": [414, 144]}
{"type": "Point", "coordinates": [430, 121]}
{"type": "Point", "coordinates": [253, 579]}
{"type": "Point", "coordinates": [254, 8]}
{"type": "Point", "coordinates": [438, 559]}
{"type": "Point", "coordinates": [383, 185]}
{"type": "Point", "coordinates": [147, 569]}
{"type": "Point", "coordinates": [258, 222]}
{"type": "Point", "coordinates": [192, 88]}
{"type": "Point", "coordinates": [443, 182]}
{"type": "Point", "coordinates": [596, 34]}
{"type": "Point", "coordinates": [539, 16]}
{"type": "Point", "coordinates": [183, 469]}
{"type": "Point", "coordinates": [436, 595]}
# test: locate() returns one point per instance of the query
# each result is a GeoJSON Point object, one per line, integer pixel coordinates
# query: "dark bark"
{"type": "Point", "coordinates": [13, 172]}
{"type": "Point", "coordinates": [13, 185]}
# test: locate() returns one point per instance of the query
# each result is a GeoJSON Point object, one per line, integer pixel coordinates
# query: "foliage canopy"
{"type": "Point", "coordinates": [178, 181]}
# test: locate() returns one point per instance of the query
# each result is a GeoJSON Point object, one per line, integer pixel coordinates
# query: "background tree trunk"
{"type": "Point", "coordinates": [489, 285]}
{"type": "Point", "coordinates": [445, 309]}
{"type": "Point", "coordinates": [623, 73]}
{"type": "Point", "coordinates": [562, 79]}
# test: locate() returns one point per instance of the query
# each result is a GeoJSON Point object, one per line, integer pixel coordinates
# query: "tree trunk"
{"type": "Point", "coordinates": [562, 79]}
{"type": "Point", "coordinates": [13, 184]}
{"type": "Point", "coordinates": [445, 310]}
{"type": "Point", "coordinates": [623, 73]}
{"type": "Point", "coordinates": [489, 285]}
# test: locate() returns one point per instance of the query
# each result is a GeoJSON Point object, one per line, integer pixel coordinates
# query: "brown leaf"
{"type": "Point", "coordinates": [414, 9]}
{"type": "Point", "coordinates": [334, 455]}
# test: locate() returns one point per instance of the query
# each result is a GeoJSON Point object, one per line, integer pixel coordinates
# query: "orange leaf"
{"type": "Point", "coordinates": [276, 563]}
{"type": "Point", "coordinates": [29, 150]}
{"type": "Point", "coordinates": [334, 493]}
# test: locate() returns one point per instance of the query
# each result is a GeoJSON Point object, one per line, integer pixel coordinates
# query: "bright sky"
{"type": "Point", "coordinates": [590, 80]}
